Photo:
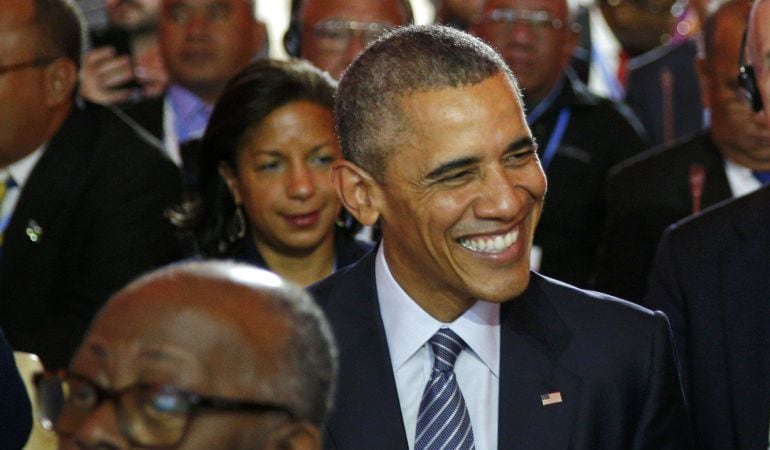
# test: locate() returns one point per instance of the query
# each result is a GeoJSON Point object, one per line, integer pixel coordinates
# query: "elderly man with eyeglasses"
{"type": "Point", "coordinates": [580, 134]}
{"type": "Point", "coordinates": [199, 355]}
{"type": "Point", "coordinates": [331, 33]}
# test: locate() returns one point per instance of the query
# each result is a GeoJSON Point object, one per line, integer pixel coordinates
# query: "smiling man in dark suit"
{"type": "Point", "coordinates": [84, 197]}
{"type": "Point", "coordinates": [446, 337]}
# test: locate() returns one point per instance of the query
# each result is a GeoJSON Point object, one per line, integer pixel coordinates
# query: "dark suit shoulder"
{"type": "Point", "coordinates": [588, 309]}
{"type": "Point", "coordinates": [148, 113]}
{"type": "Point", "coordinates": [749, 214]}
{"type": "Point", "coordinates": [661, 159]}
{"type": "Point", "coordinates": [338, 287]}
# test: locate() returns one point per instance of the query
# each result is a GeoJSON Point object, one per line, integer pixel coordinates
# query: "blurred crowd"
{"type": "Point", "coordinates": [162, 155]}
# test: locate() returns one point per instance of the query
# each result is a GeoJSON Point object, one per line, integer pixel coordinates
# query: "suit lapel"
{"type": "Point", "coordinates": [367, 413]}
{"type": "Point", "coordinates": [745, 298]}
{"type": "Point", "coordinates": [52, 186]}
{"type": "Point", "coordinates": [532, 338]}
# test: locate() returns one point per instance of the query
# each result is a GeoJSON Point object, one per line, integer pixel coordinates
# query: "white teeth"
{"type": "Point", "coordinates": [491, 245]}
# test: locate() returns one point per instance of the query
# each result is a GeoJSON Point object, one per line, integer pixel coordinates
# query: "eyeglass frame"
{"type": "Point", "coordinates": [39, 61]}
{"type": "Point", "coordinates": [195, 402]}
{"type": "Point", "coordinates": [368, 31]}
{"type": "Point", "coordinates": [509, 16]}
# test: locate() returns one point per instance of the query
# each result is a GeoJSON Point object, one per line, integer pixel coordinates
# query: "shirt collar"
{"type": "Point", "coordinates": [740, 178]}
{"type": "Point", "coordinates": [192, 113]}
{"type": "Point", "coordinates": [408, 327]}
{"type": "Point", "coordinates": [21, 169]}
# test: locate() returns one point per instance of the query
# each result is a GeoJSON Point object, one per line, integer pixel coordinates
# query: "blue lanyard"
{"type": "Point", "coordinates": [556, 136]}
{"type": "Point", "coordinates": [546, 103]}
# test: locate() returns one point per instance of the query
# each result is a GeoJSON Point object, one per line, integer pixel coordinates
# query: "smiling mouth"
{"type": "Point", "coordinates": [496, 244]}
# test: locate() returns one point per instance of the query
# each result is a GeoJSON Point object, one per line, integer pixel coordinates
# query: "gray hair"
{"type": "Point", "coordinates": [305, 378]}
{"type": "Point", "coordinates": [405, 61]}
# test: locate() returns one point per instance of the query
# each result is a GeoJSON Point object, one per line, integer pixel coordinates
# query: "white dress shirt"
{"type": "Point", "coordinates": [20, 171]}
{"type": "Point", "coordinates": [740, 179]}
{"type": "Point", "coordinates": [408, 328]}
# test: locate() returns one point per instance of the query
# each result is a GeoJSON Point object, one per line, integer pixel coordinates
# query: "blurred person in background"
{"type": "Point", "coordinates": [204, 43]}
{"type": "Point", "coordinates": [200, 355]}
{"type": "Point", "coordinates": [659, 187]}
{"type": "Point", "coordinates": [580, 134]}
{"type": "Point", "coordinates": [83, 201]}
{"type": "Point", "coordinates": [111, 77]}
{"type": "Point", "coordinates": [331, 33]}
{"type": "Point", "coordinates": [656, 66]}
{"type": "Point", "coordinates": [266, 195]}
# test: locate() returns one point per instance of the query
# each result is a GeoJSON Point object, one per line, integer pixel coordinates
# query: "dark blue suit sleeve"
{"type": "Point", "coordinates": [664, 422]}
{"type": "Point", "coordinates": [15, 409]}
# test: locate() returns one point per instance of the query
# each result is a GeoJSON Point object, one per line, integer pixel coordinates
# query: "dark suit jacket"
{"type": "Point", "coordinates": [644, 196]}
{"type": "Point", "coordinates": [712, 277]}
{"type": "Point", "coordinates": [15, 410]}
{"type": "Point", "coordinates": [98, 195]}
{"type": "Point", "coordinates": [599, 135]}
{"type": "Point", "coordinates": [148, 114]}
{"type": "Point", "coordinates": [669, 68]}
{"type": "Point", "coordinates": [611, 361]}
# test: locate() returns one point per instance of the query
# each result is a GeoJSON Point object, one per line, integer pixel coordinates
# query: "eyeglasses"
{"type": "Point", "coordinates": [148, 415]}
{"type": "Point", "coordinates": [335, 35]}
{"type": "Point", "coordinates": [535, 19]}
{"type": "Point", "coordinates": [42, 61]}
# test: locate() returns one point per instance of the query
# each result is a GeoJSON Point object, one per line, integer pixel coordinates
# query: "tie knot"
{"type": "Point", "coordinates": [446, 346]}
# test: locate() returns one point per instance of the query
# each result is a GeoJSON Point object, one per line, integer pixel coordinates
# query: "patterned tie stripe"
{"type": "Point", "coordinates": [443, 421]}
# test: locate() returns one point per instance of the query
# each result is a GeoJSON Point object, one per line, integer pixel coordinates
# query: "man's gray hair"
{"type": "Point", "coordinates": [405, 61]}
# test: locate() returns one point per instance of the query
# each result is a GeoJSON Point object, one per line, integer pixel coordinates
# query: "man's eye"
{"type": "Point", "coordinates": [460, 175]}
{"type": "Point", "coordinates": [270, 166]}
{"type": "Point", "coordinates": [519, 157]}
{"type": "Point", "coordinates": [82, 397]}
{"type": "Point", "coordinates": [217, 12]}
{"type": "Point", "coordinates": [179, 16]}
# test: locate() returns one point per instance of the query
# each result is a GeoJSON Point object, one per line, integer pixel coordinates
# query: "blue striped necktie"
{"type": "Point", "coordinates": [443, 421]}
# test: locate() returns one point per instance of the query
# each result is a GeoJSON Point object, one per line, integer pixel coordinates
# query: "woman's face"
{"type": "Point", "coordinates": [283, 180]}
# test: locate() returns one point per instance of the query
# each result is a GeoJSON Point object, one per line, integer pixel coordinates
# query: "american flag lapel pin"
{"type": "Point", "coordinates": [550, 398]}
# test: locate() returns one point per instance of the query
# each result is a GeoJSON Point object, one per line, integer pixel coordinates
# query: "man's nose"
{"type": "Point", "coordinates": [499, 198]}
{"type": "Point", "coordinates": [100, 430]}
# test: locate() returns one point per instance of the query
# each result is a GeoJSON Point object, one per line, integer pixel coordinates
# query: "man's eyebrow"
{"type": "Point", "coordinates": [455, 164]}
{"type": "Point", "coordinates": [527, 141]}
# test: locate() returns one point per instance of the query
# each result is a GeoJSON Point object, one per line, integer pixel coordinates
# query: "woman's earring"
{"type": "Point", "coordinates": [237, 226]}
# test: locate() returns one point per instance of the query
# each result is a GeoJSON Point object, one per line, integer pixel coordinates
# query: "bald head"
{"type": "Point", "coordinates": [218, 329]}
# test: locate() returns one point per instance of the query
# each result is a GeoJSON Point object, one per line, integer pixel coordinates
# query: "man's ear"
{"type": "Point", "coordinates": [228, 175]}
{"type": "Point", "coordinates": [357, 190]}
{"type": "Point", "coordinates": [294, 436]}
{"type": "Point", "coordinates": [61, 77]}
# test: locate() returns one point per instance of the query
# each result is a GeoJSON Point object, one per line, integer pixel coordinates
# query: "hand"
{"type": "Point", "coordinates": [150, 70]}
{"type": "Point", "coordinates": [103, 74]}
